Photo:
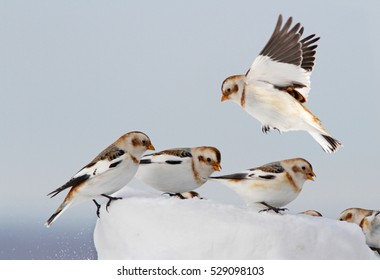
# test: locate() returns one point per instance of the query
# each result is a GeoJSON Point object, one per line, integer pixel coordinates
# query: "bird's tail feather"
{"type": "Point", "coordinates": [58, 212]}
{"type": "Point", "coordinates": [326, 141]}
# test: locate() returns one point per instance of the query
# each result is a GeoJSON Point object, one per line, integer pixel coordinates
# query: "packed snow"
{"type": "Point", "coordinates": [150, 226]}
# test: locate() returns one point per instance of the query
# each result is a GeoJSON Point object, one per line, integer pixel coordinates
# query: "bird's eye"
{"type": "Point", "coordinates": [303, 168]}
{"type": "Point", "coordinates": [208, 159]}
{"type": "Point", "coordinates": [144, 142]}
{"type": "Point", "coordinates": [229, 90]}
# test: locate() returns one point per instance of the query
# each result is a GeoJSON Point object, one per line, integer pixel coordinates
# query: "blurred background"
{"type": "Point", "coordinates": [74, 76]}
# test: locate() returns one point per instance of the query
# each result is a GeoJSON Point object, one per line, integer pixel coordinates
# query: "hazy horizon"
{"type": "Point", "coordinates": [75, 76]}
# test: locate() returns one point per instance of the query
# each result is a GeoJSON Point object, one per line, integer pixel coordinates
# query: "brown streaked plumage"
{"type": "Point", "coordinates": [107, 173]}
{"type": "Point", "coordinates": [179, 170]}
{"type": "Point", "coordinates": [273, 185]}
{"type": "Point", "coordinates": [276, 86]}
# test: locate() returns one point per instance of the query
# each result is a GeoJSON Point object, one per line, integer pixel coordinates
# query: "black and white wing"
{"type": "Point", "coordinates": [266, 172]}
{"type": "Point", "coordinates": [107, 160]}
{"type": "Point", "coordinates": [286, 61]}
{"type": "Point", "coordinates": [172, 156]}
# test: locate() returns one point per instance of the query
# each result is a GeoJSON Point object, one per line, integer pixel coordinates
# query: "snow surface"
{"type": "Point", "coordinates": [150, 226]}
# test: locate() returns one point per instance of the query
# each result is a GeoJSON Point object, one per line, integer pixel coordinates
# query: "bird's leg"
{"type": "Point", "coordinates": [110, 199]}
{"type": "Point", "coordinates": [275, 209]}
{"type": "Point", "coordinates": [98, 208]}
{"type": "Point", "coordinates": [266, 129]}
{"type": "Point", "coordinates": [178, 195]}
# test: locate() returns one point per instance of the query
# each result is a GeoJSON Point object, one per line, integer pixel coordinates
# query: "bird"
{"type": "Point", "coordinates": [277, 84]}
{"type": "Point", "coordinates": [179, 170]}
{"type": "Point", "coordinates": [312, 213]}
{"type": "Point", "coordinates": [371, 228]}
{"type": "Point", "coordinates": [355, 215]}
{"type": "Point", "coordinates": [107, 173]}
{"type": "Point", "coordinates": [272, 185]}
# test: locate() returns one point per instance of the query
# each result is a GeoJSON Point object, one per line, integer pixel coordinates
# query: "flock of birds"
{"type": "Point", "coordinates": [273, 91]}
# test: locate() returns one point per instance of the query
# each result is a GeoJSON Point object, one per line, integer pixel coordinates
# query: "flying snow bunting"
{"type": "Point", "coordinates": [180, 170]}
{"type": "Point", "coordinates": [272, 185]}
{"type": "Point", "coordinates": [277, 84]}
{"type": "Point", "coordinates": [110, 171]}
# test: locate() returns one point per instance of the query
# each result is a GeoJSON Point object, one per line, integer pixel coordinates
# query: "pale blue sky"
{"type": "Point", "coordinates": [75, 76]}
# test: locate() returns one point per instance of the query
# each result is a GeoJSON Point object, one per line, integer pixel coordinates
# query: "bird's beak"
{"type": "Point", "coordinates": [224, 98]}
{"type": "Point", "coordinates": [151, 147]}
{"type": "Point", "coordinates": [217, 167]}
{"type": "Point", "coordinates": [310, 176]}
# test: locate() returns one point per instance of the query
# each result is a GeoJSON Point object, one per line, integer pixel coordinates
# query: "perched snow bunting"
{"type": "Point", "coordinates": [273, 185]}
{"type": "Point", "coordinates": [355, 215]}
{"type": "Point", "coordinates": [277, 84]}
{"type": "Point", "coordinates": [371, 229]}
{"type": "Point", "coordinates": [179, 170]}
{"type": "Point", "coordinates": [110, 171]}
{"type": "Point", "coordinates": [312, 213]}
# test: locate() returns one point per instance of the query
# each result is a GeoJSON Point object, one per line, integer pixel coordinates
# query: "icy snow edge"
{"type": "Point", "coordinates": [146, 226]}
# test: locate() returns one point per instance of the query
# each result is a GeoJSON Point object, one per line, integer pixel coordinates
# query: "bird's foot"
{"type": "Point", "coordinates": [110, 199]}
{"type": "Point", "coordinates": [169, 194]}
{"type": "Point", "coordinates": [269, 208]}
{"type": "Point", "coordinates": [185, 195]}
{"type": "Point", "coordinates": [266, 129]}
{"type": "Point", "coordinates": [97, 208]}
{"type": "Point", "coordinates": [177, 195]}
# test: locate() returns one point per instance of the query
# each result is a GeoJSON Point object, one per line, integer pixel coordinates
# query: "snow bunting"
{"type": "Point", "coordinates": [277, 84]}
{"type": "Point", "coordinates": [355, 215]}
{"type": "Point", "coordinates": [179, 170]}
{"type": "Point", "coordinates": [312, 213]}
{"type": "Point", "coordinates": [110, 171]}
{"type": "Point", "coordinates": [273, 185]}
{"type": "Point", "coordinates": [371, 229]}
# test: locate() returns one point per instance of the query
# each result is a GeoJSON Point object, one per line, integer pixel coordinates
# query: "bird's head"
{"type": "Point", "coordinates": [207, 160]}
{"type": "Point", "coordinates": [136, 143]}
{"type": "Point", "coordinates": [233, 88]}
{"type": "Point", "coordinates": [299, 169]}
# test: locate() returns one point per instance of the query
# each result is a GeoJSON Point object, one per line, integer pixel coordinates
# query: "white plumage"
{"type": "Point", "coordinates": [273, 185]}
{"type": "Point", "coordinates": [278, 83]}
{"type": "Point", "coordinates": [371, 229]}
{"type": "Point", "coordinates": [355, 215]}
{"type": "Point", "coordinates": [179, 170]}
{"type": "Point", "coordinates": [111, 170]}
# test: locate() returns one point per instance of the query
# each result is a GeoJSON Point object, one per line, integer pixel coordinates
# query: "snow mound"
{"type": "Point", "coordinates": [143, 226]}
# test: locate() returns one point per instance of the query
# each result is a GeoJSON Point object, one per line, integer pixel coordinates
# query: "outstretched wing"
{"type": "Point", "coordinates": [286, 61]}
